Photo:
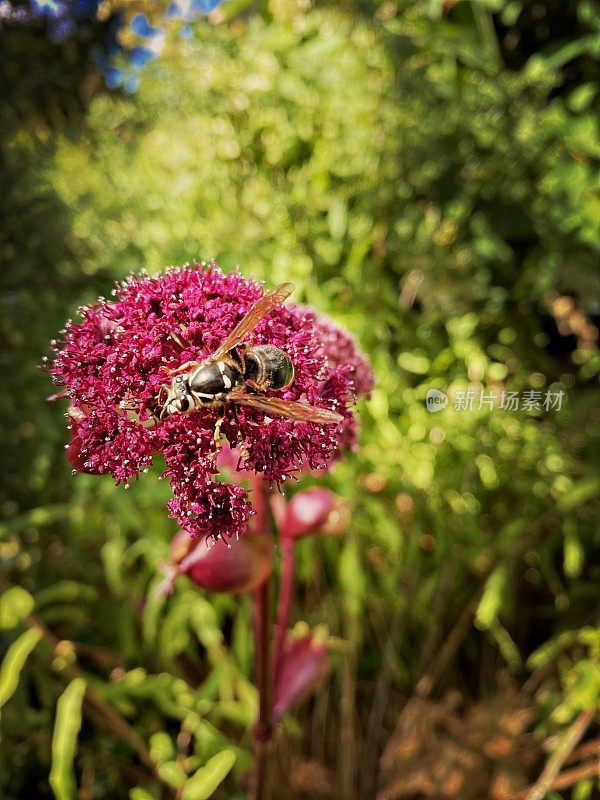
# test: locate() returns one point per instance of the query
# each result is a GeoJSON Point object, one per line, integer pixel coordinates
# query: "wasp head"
{"type": "Point", "coordinates": [176, 398]}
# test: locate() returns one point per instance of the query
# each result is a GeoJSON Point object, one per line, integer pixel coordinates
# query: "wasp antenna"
{"type": "Point", "coordinates": [181, 343]}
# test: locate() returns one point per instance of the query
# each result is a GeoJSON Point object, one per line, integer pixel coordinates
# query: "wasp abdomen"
{"type": "Point", "coordinates": [268, 367]}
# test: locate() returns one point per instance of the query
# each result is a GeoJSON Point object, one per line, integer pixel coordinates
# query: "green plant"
{"type": "Point", "coordinates": [438, 203]}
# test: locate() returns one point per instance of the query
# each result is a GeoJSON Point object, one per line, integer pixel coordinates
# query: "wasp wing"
{"type": "Point", "coordinates": [290, 409]}
{"type": "Point", "coordinates": [259, 310]}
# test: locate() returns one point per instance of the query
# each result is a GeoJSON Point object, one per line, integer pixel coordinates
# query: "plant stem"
{"type": "Point", "coordinates": [262, 730]}
{"type": "Point", "coordinates": [554, 765]}
{"type": "Point", "coordinates": [284, 603]}
{"type": "Point", "coordinates": [262, 673]}
{"type": "Point", "coordinates": [348, 737]}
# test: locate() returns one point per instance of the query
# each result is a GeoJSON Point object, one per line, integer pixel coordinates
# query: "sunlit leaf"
{"type": "Point", "coordinates": [580, 493]}
{"type": "Point", "coordinates": [15, 604]}
{"type": "Point", "coordinates": [14, 661]}
{"type": "Point", "coordinates": [172, 773]}
{"type": "Point", "coordinates": [161, 747]}
{"type": "Point", "coordinates": [491, 600]}
{"type": "Point", "coordinates": [206, 780]}
{"type": "Point", "coordinates": [138, 793]}
{"type": "Point", "coordinates": [574, 553]}
{"type": "Point", "coordinates": [352, 578]}
{"type": "Point", "coordinates": [66, 591]}
{"type": "Point", "coordinates": [64, 740]}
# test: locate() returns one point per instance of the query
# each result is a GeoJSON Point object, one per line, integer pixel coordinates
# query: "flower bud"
{"type": "Point", "coordinates": [235, 567]}
{"type": "Point", "coordinates": [315, 510]}
{"type": "Point", "coordinates": [181, 545]}
{"type": "Point", "coordinates": [303, 666]}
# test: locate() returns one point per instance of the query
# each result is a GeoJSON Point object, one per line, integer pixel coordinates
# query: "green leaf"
{"type": "Point", "coordinates": [462, 327]}
{"type": "Point", "coordinates": [582, 97]}
{"type": "Point", "coordinates": [338, 218]}
{"type": "Point", "coordinates": [137, 793]}
{"type": "Point", "coordinates": [491, 601]}
{"type": "Point", "coordinates": [172, 773]}
{"type": "Point", "coordinates": [36, 518]}
{"type": "Point", "coordinates": [66, 591]}
{"type": "Point", "coordinates": [352, 578]}
{"type": "Point", "coordinates": [174, 634]}
{"type": "Point", "coordinates": [64, 740]}
{"type": "Point", "coordinates": [206, 780]}
{"type": "Point", "coordinates": [413, 362]}
{"type": "Point", "coordinates": [13, 663]}
{"type": "Point", "coordinates": [152, 610]}
{"type": "Point", "coordinates": [579, 494]}
{"type": "Point", "coordinates": [572, 50]}
{"type": "Point", "coordinates": [551, 649]}
{"type": "Point", "coordinates": [510, 12]}
{"type": "Point", "coordinates": [506, 645]}
{"type": "Point", "coordinates": [113, 556]}
{"type": "Point", "coordinates": [234, 712]}
{"type": "Point", "coordinates": [574, 553]}
{"type": "Point", "coordinates": [204, 622]}
{"type": "Point", "coordinates": [583, 790]}
{"type": "Point", "coordinates": [15, 604]}
{"type": "Point", "coordinates": [161, 747]}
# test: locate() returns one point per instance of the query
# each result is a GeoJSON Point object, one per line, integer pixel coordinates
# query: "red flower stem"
{"type": "Point", "coordinates": [262, 674]}
{"type": "Point", "coordinates": [262, 730]}
{"type": "Point", "coordinates": [284, 603]}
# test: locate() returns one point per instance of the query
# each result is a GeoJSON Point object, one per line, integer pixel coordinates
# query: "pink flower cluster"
{"type": "Point", "coordinates": [113, 359]}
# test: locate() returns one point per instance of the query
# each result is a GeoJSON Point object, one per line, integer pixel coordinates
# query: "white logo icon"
{"type": "Point", "coordinates": [435, 400]}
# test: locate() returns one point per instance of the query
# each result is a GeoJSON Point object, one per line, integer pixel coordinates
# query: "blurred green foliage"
{"type": "Point", "coordinates": [439, 199]}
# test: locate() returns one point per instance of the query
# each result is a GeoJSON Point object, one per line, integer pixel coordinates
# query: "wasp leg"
{"type": "Point", "coordinates": [245, 455]}
{"type": "Point", "coordinates": [189, 365]}
{"type": "Point", "coordinates": [217, 435]}
{"type": "Point", "coordinates": [259, 386]}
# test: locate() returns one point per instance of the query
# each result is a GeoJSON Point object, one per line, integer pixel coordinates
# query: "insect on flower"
{"type": "Point", "coordinates": [238, 375]}
{"type": "Point", "coordinates": [174, 354]}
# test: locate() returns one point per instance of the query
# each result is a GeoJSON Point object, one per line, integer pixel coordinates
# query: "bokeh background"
{"type": "Point", "coordinates": [425, 172]}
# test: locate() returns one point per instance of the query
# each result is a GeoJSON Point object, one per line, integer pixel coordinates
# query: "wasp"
{"type": "Point", "coordinates": [239, 374]}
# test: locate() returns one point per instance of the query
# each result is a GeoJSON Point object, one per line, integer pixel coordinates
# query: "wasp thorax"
{"type": "Point", "coordinates": [268, 367]}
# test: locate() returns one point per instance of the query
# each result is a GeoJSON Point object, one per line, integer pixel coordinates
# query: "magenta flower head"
{"type": "Point", "coordinates": [179, 360]}
{"type": "Point", "coordinates": [342, 353]}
